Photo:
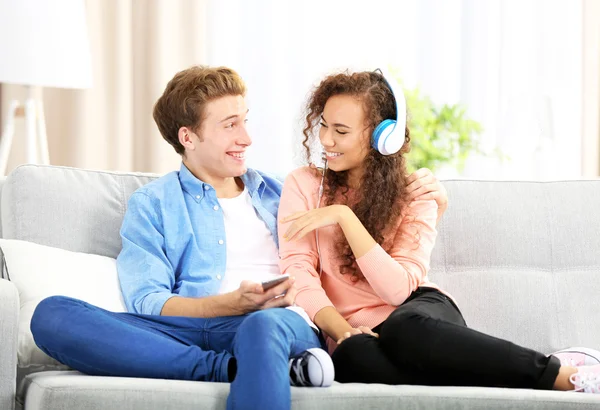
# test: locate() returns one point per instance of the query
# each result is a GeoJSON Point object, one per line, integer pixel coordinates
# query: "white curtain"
{"type": "Point", "coordinates": [516, 64]}
{"type": "Point", "coordinates": [591, 89]}
{"type": "Point", "coordinates": [137, 46]}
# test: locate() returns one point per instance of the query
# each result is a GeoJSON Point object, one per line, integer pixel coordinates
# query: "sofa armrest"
{"type": "Point", "coordinates": [9, 317]}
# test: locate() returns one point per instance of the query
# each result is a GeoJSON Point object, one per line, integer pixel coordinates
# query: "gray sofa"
{"type": "Point", "coordinates": [521, 258]}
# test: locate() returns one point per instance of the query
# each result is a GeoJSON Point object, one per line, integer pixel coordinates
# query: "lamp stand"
{"type": "Point", "coordinates": [35, 130]}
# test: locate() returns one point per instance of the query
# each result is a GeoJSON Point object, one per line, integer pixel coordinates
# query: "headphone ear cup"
{"type": "Point", "coordinates": [381, 134]}
{"type": "Point", "coordinates": [389, 136]}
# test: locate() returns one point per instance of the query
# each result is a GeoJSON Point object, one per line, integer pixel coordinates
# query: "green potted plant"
{"type": "Point", "coordinates": [442, 136]}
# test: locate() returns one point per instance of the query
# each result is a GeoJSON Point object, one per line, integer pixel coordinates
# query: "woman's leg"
{"type": "Point", "coordinates": [360, 359]}
{"type": "Point", "coordinates": [428, 333]}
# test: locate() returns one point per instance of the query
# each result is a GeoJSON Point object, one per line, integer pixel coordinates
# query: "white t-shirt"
{"type": "Point", "coordinates": [251, 250]}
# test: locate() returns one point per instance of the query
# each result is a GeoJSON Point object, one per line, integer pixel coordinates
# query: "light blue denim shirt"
{"type": "Point", "coordinates": [174, 239]}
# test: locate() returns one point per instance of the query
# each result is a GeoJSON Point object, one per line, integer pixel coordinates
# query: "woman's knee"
{"type": "Point", "coordinates": [406, 331]}
{"type": "Point", "coordinates": [349, 358]}
{"type": "Point", "coordinates": [351, 351]}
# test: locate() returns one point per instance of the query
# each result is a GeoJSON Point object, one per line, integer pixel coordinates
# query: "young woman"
{"type": "Point", "coordinates": [359, 247]}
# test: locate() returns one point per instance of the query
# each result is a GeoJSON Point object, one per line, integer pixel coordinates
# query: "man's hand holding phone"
{"type": "Point", "coordinates": [268, 284]}
{"type": "Point", "coordinates": [252, 296]}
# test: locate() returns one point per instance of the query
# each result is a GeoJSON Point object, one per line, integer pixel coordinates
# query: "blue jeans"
{"type": "Point", "coordinates": [98, 342]}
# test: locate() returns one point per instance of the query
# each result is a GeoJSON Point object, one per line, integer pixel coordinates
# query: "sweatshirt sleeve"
{"type": "Point", "coordinates": [395, 275]}
{"type": "Point", "coordinates": [299, 258]}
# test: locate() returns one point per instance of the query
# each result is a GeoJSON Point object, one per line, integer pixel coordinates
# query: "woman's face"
{"type": "Point", "coordinates": [344, 134]}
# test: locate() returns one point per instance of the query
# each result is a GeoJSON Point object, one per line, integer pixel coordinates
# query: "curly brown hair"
{"type": "Point", "coordinates": [380, 197]}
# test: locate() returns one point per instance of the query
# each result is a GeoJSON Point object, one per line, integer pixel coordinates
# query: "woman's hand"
{"type": "Point", "coordinates": [307, 221]}
{"type": "Point", "coordinates": [423, 185]}
{"type": "Point", "coordinates": [357, 331]}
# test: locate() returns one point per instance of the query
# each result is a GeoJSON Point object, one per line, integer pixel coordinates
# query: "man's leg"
{"type": "Point", "coordinates": [95, 341]}
{"type": "Point", "coordinates": [264, 343]}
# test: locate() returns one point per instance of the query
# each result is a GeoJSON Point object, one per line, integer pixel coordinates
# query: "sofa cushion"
{"type": "Point", "coordinates": [522, 259]}
{"type": "Point", "coordinates": [40, 271]}
{"type": "Point", "coordinates": [71, 390]}
{"type": "Point", "coordinates": [68, 208]}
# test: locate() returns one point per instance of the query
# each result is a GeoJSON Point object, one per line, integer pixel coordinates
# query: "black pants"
{"type": "Point", "coordinates": [426, 341]}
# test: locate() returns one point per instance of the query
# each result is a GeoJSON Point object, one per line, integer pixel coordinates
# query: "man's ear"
{"type": "Point", "coordinates": [187, 138]}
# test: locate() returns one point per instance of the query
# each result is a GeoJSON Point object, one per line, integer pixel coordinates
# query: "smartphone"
{"type": "Point", "coordinates": [268, 284]}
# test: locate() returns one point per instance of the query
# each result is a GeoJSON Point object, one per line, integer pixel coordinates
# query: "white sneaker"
{"type": "Point", "coordinates": [312, 368]}
{"type": "Point", "coordinates": [578, 356]}
{"type": "Point", "coordinates": [587, 379]}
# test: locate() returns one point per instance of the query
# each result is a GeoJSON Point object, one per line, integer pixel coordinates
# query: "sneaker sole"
{"type": "Point", "coordinates": [326, 365]}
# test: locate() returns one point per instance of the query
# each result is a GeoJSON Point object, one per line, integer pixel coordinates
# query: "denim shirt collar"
{"type": "Point", "coordinates": [198, 188]}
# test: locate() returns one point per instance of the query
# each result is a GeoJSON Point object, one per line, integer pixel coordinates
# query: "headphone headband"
{"type": "Point", "coordinates": [389, 135]}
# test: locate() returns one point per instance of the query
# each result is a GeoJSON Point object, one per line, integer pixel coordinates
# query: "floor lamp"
{"type": "Point", "coordinates": [42, 44]}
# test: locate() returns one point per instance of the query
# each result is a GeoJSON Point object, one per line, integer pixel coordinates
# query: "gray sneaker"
{"type": "Point", "coordinates": [312, 368]}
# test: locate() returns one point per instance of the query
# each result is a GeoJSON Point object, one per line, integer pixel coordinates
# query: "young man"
{"type": "Point", "coordinates": [196, 245]}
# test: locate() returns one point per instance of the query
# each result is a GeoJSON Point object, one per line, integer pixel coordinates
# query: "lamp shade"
{"type": "Point", "coordinates": [44, 43]}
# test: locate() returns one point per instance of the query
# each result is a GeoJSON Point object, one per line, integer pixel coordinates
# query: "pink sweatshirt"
{"type": "Point", "coordinates": [390, 277]}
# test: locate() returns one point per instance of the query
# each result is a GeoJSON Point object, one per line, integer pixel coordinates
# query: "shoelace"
{"type": "Point", "coordinates": [297, 369]}
{"type": "Point", "coordinates": [587, 382]}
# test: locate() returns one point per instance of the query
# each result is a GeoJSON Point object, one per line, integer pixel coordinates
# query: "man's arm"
{"type": "Point", "coordinates": [248, 298]}
{"type": "Point", "coordinates": [145, 273]}
{"type": "Point", "coordinates": [209, 306]}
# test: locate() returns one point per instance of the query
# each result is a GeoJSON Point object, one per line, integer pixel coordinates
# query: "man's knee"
{"type": "Point", "coordinates": [275, 325]}
{"type": "Point", "coordinates": [48, 317]}
{"type": "Point", "coordinates": [266, 320]}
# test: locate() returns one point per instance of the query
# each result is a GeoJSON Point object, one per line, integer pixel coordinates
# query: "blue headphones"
{"type": "Point", "coordinates": [388, 136]}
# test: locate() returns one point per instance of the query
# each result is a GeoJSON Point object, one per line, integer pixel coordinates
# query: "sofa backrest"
{"type": "Point", "coordinates": [68, 208]}
{"type": "Point", "coordinates": [522, 259]}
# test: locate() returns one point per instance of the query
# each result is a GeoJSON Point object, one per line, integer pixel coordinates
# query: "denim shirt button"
{"type": "Point", "coordinates": [221, 242]}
